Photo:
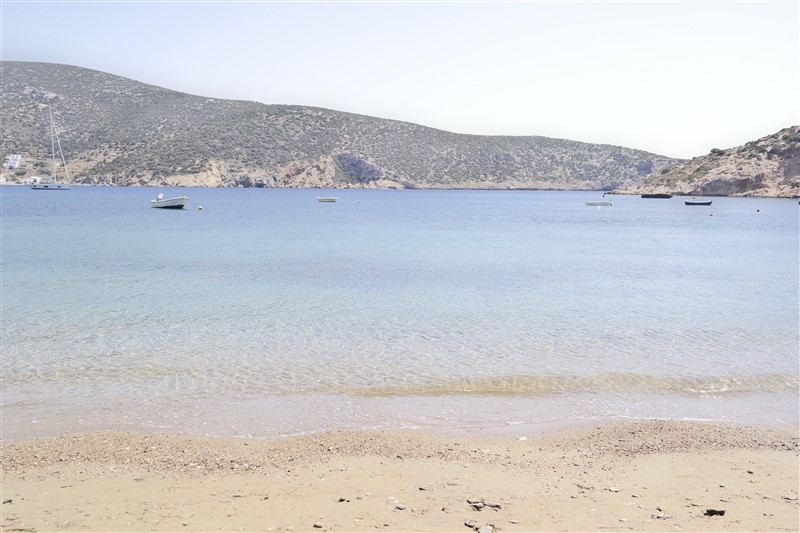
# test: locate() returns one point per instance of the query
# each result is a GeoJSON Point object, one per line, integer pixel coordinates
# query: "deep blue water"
{"type": "Point", "coordinates": [270, 313]}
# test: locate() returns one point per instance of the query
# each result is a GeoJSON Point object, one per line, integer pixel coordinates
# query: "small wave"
{"type": "Point", "coordinates": [605, 382]}
{"type": "Point", "coordinates": [255, 381]}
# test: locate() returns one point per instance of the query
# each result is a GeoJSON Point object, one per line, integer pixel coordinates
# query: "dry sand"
{"type": "Point", "coordinates": [634, 475]}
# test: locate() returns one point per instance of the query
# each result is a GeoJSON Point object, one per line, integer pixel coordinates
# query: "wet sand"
{"type": "Point", "coordinates": [612, 476]}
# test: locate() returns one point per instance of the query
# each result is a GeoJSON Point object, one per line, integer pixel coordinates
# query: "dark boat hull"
{"type": "Point", "coordinates": [693, 202]}
{"type": "Point", "coordinates": [657, 195]}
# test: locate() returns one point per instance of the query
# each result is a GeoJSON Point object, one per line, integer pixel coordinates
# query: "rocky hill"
{"type": "Point", "coordinates": [768, 167]}
{"type": "Point", "coordinates": [118, 131]}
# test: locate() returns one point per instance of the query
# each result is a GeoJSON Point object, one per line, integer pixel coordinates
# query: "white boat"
{"type": "Point", "coordinates": [694, 201]}
{"type": "Point", "coordinates": [601, 203]}
{"type": "Point", "coordinates": [51, 183]}
{"type": "Point", "coordinates": [327, 199]}
{"type": "Point", "coordinates": [179, 202]}
{"type": "Point", "coordinates": [48, 185]}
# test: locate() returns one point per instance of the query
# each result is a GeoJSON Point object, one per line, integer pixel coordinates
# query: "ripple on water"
{"type": "Point", "coordinates": [394, 296]}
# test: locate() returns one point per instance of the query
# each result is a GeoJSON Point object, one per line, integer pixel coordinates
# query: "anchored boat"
{"type": "Point", "coordinates": [179, 202]}
{"type": "Point", "coordinates": [51, 183]}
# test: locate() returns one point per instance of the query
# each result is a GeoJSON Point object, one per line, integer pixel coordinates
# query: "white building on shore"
{"type": "Point", "coordinates": [12, 161]}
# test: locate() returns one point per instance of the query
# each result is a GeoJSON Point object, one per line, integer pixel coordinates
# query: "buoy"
{"type": "Point", "coordinates": [199, 207]}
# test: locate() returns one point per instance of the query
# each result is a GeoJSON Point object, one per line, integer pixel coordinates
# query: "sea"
{"type": "Point", "coordinates": [267, 313]}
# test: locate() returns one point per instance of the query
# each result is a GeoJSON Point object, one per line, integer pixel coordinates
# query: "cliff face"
{"type": "Point", "coordinates": [122, 132]}
{"type": "Point", "coordinates": [768, 167]}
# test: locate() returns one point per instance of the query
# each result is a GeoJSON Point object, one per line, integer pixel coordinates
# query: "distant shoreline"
{"type": "Point", "coordinates": [493, 189]}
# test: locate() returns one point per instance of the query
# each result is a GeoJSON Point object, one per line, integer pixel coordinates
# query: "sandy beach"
{"type": "Point", "coordinates": [612, 476]}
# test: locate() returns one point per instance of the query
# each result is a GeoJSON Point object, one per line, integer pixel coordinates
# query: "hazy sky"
{"type": "Point", "coordinates": [675, 78]}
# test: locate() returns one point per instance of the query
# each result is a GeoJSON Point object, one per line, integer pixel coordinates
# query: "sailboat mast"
{"type": "Point", "coordinates": [52, 140]}
{"type": "Point", "coordinates": [61, 152]}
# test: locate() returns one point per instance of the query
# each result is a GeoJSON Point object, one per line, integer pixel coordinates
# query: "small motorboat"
{"type": "Point", "coordinates": [656, 195]}
{"type": "Point", "coordinates": [698, 202]}
{"type": "Point", "coordinates": [327, 199]}
{"type": "Point", "coordinates": [179, 202]}
{"type": "Point", "coordinates": [600, 203]}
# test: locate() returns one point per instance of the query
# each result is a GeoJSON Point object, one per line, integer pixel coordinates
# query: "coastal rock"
{"type": "Point", "coordinates": [766, 167]}
{"type": "Point", "coordinates": [479, 504]}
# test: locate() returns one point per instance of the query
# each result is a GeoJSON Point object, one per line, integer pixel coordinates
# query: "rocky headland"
{"type": "Point", "coordinates": [767, 167]}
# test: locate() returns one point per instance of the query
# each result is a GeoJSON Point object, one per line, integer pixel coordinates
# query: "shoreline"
{"type": "Point", "coordinates": [642, 475]}
{"type": "Point", "coordinates": [303, 414]}
{"type": "Point", "coordinates": [625, 192]}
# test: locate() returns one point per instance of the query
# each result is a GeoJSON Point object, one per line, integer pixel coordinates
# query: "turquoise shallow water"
{"type": "Point", "coordinates": [270, 313]}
